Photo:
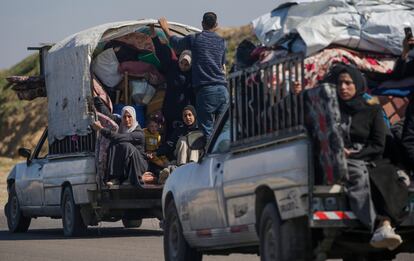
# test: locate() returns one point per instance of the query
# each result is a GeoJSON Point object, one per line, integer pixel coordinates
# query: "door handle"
{"type": "Point", "coordinates": [218, 165]}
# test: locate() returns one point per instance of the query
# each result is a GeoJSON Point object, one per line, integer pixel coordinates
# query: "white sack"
{"type": "Point", "coordinates": [105, 66]}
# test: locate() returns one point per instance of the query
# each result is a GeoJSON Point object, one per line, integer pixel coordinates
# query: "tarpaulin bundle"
{"type": "Point", "coordinates": [310, 26]}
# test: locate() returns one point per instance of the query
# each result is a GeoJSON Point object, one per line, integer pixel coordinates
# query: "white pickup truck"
{"type": "Point", "coordinates": [253, 190]}
{"type": "Point", "coordinates": [62, 176]}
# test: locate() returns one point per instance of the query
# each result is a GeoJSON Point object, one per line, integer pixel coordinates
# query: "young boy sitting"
{"type": "Point", "coordinates": [152, 142]}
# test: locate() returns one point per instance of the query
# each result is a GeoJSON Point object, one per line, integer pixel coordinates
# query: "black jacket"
{"type": "Point", "coordinates": [403, 69]}
{"type": "Point", "coordinates": [168, 147]}
{"type": "Point", "coordinates": [368, 128]}
{"type": "Point", "coordinates": [135, 137]}
{"type": "Point", "coordinates": [126, 156]}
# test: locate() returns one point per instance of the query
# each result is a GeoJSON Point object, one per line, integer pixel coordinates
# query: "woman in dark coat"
{"type": "Point", "coordinates": [179, 92]}
{"type": "Point", "coordinates": [126, 155]}
{"type": "Point", "coordinates": [376, 194]}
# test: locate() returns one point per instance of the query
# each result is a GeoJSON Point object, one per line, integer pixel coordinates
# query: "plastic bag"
{"type": "Point", "coordinates": [141, 91]}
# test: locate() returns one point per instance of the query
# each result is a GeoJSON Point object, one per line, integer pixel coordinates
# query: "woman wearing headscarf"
{"type": "Point", "coordinates": [377, 196]}
{"type": "Point", "coordinates": [179, 92]}
{"type": "Point", "coordinates": [175, 148]}
{"type": "Point", "coordinates": [126, 155]}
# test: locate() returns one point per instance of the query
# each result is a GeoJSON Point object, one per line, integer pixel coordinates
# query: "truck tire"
{"type": "Point", "coordinates": [131, 223]}
{"type": "Point", "coordinates": [72, 221]}
{"type": "Point", "coordinates": [16, 222]}
{"type": "Point", "coordinates": [283, 240]}
{"type": "Point", "coordinates": [176, 247]}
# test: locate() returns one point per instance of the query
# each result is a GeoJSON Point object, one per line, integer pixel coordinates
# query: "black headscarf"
{"type": "Point", "coordinates": [358, 102]}
{"type": "Point", "coordinates": [192, 109]}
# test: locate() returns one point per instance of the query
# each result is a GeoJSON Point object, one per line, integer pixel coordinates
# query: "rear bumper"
{"type": "Point", "coordinates": [340, 215]}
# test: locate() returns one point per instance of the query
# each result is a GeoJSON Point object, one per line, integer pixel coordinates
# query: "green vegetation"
{"type": "Point", "coordinates": [9, 102]}
{"type": "Point", "coordinates": [233, 37]}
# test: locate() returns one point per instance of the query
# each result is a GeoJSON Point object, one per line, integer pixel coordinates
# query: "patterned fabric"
{"type": "Point", "coordinates": [99, 91]}
{"type": "Point", "coordinates": [142, 69]}
{"type": "Point", "coordinates": [140, 41]}
{"type": "Point", "coordinates": [323, 122]}
{"type": "Point", "coordinates": [394, 107]}
{"type": "Point", "coordinates": [102, 145]}
{"type": "Point", "coordinates": [318, 65]}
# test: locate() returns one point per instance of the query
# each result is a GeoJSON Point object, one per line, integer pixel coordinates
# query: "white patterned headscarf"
{"type": "Point", "coordinates": [135, 124]}
{"type": "Point", "coordinates": [185, 55]}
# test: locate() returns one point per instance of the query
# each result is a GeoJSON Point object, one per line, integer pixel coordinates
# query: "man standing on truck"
{"type": "Point", "coordinates": [208, 71]}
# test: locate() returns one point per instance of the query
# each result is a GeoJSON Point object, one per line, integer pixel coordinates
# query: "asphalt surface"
{"type": "Point", "coordinates": [110, 241]}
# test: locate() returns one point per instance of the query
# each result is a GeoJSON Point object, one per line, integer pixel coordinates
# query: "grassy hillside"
{"type": "Point", "coordinates": [233, 37]}
{"type": "Point", "coordinates": [21, 122]}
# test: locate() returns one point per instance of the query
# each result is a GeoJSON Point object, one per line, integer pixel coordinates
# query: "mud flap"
{"type": "Point", "coordinates": [292, 202]}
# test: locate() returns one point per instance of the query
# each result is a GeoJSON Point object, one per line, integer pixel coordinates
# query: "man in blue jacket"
{"type": "Point", "coordinates": [208, 71]}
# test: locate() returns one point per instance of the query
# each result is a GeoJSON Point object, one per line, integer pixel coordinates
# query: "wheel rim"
{"type": "Point", "coordinates": [174, 238]}
{"type": "Point", "coordinates": [68, 215]}
{"type": "Point", "coordinates": [14, 208]}
{"type": "Point", "coordinates": [269, 242]}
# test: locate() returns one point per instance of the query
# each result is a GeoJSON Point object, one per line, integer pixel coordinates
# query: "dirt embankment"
{"type": "Point", "coordinates": [6, 164]}
{"type": "Point", "coordinates": [24, 128]}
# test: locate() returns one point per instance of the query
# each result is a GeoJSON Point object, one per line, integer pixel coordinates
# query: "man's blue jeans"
{"type": "Point", "coordinates": [211, 102]}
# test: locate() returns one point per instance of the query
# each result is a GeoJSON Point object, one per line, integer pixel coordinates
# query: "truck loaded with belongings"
{"type": "Point", "coordinates": [64, 176]}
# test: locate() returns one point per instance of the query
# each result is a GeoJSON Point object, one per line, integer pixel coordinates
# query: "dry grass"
{"type": "Point", "coordinates": [6, 164]}
{"type": "Point", "coordinates": [233, 36]}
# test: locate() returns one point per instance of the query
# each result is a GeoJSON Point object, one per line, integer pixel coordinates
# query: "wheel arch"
{"type": "Point", "coordinates": [264, 195]}
{"type": "Point", "coordinates": [10, 183]}
{"type": "Point", "coordinates": [169, 197]}
{"type": "Point", "coordinates": [64, 185]}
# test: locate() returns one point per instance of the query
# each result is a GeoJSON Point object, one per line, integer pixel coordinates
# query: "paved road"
{"type": "Point", "coordinates": [109, 242]}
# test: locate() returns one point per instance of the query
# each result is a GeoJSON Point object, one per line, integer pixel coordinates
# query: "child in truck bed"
{"type": "Point", "coordinates": [152, 142]}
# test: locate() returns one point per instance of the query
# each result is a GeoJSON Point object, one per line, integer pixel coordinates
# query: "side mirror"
{"type": "Point", "coordinates": [25, 153]}
{"type": "Point", "coordinates": [196, 140]}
